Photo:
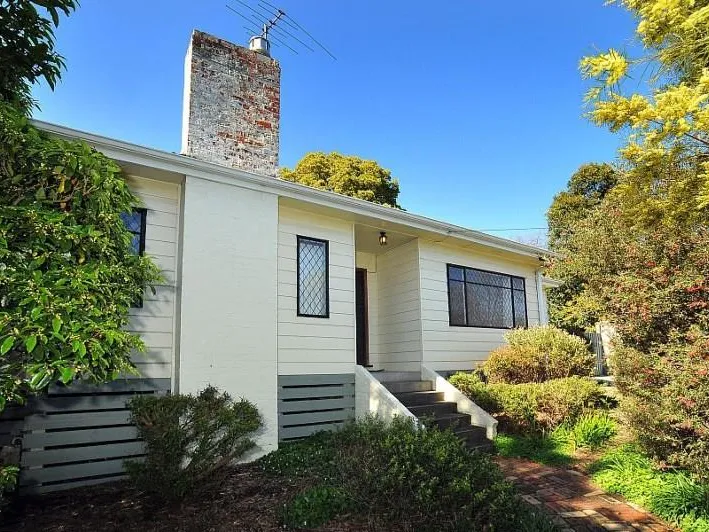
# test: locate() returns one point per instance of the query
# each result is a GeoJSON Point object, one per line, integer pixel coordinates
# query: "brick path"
{"type": "Point", "coordinates": [574, 501]}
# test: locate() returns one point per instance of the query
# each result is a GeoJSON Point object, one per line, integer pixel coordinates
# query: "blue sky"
{"type": "Point", "coordinates": [475, 106]}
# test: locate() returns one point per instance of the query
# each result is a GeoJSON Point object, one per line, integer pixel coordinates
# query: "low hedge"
{"type": "Point", "coordinates": [533, 407]}
{"type": "Point", "coordinates": [538, 354]}
{"type": "Point", "coordinates": [393, 475]}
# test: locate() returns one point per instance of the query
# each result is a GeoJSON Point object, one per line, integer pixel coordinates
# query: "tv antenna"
{"type": "Point", "coordinates": [276, 27]}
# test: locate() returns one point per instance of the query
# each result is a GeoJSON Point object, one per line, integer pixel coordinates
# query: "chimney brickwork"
{"type": "Point", "coordinates": [231, 106]}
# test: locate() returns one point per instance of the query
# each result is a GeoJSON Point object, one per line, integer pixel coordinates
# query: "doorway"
{"type": "Point", "coordinates": [361, 317]}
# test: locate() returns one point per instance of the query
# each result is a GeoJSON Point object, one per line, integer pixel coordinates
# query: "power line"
{"type": "Point", "coordinates": [515, 229]}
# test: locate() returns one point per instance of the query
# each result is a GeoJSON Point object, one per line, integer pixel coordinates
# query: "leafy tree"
{"type": "Point", "coordinates": [668, 122]}
{"type": "Point", "coordinates": [68, 275]}
{"type": "Point", "coordinates": [67, 271]}
{"type": "Point", "coordinates": [27, 47]}
{"type": "Point", "coordinates": [584, 191]}
{"type": "Point", "coordinates": [642, 253]}
{"type": "Point", "coordinates": [347, 175]}
{"type": "Point", "coordinates": [569, 307]}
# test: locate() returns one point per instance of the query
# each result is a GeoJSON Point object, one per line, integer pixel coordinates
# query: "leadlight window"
{"type": "Point", "coordinates": [479, 298]}
{"type": "Point", "coordinates": [313, 289]}
{"type": "Point", "coordinates": [135, 223]}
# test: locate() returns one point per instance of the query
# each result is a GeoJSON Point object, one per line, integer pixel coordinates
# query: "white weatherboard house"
{"type": "Point", "coordinates": [282, 293]}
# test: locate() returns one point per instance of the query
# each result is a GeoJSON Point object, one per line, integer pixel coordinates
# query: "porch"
{"type": "Point", "coordinates": [387, 300]}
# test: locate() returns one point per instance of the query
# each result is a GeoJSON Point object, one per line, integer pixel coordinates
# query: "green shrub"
{"type": "Point", "coordinates": [538, 354]}
{"type": "Point", "coordinates": [68, 276]}
{"type": "Point", "coordinates": [396, 473]}
{"type": "Point", "coordinates": [674, 496]}
{"type": "Point", "coordinates": [188, 438]}
{"type": "Point", "coordinates": [8, 480]}
{"type": "Point", "coordinates": [315, 506]}
{"type": "Point", "coordinates": [665, 399]}
{"type": "Point", "coordinates": [314, 456]}
{"type": "Point", "coordinates": [533, 407]}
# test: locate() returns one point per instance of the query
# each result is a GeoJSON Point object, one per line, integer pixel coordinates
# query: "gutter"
{"type": "Point", "coordinates": [181, 164]}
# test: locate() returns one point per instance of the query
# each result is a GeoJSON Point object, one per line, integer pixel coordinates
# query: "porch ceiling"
{"type": "Point", "coordinates": [367, 239]}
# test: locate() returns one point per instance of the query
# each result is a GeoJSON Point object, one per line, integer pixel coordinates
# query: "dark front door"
{"type": "Point", "coordinates": [362, 327]}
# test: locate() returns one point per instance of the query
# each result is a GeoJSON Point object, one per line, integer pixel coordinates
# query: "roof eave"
{"type": "Point", "coordinates": [181, 164]}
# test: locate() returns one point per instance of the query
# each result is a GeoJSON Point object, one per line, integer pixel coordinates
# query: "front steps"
{"type": "Point", "coordinates": [427, 404]}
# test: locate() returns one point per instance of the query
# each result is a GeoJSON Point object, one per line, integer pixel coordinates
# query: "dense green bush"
{"type": "Point", "coordinates": [538, 354]}
{"type": "Point", "coordinates": [397, 473]}
{"type": "Point", "coordinates": [315, 506]}
{"type": "Point", "coordinates": [188, 438]}
{"type": "Point", "coordinates": [68, 276]}
{"type": "Point", "coordinates": [666, 399]}
{"type": "Point", "coordinates": [673, 495]}
{"type": "Point", "coordinates": [533, 407]}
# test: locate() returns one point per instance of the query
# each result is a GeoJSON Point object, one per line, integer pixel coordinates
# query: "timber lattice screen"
{"type": "Point", "coordinates": [311, 403]}
{"type": "Point", "coordinates": [76, 435]}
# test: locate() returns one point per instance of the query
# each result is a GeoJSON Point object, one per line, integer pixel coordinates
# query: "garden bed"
{"type": "Point", "coordinates": [245, 498]}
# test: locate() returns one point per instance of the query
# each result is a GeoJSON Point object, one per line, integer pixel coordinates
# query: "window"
{"type": "Point", "coordinates": [313, 289]}
{"type": "Point", "coordinates": [135, 223]}
{"type": "Point", "coordinates": [478, 298]}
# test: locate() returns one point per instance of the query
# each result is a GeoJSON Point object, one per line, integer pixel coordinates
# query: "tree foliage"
{"type": "Point", "coordinates": [588, 186]}
{"type": "Point", "coordinates": [27, 47]}
{"type": "Point", "coordinates": [348, 175]}
{"type": "Point", "coordinates": [643, 252]}
{"type": "Point", "coordinates": [653, 286]}
{"type": "Point", "coordinates": [667, 181]}
{"type": "Point", "coordinates": [585, 190]}
{"type": "Point", "coordinates": [68, 275]}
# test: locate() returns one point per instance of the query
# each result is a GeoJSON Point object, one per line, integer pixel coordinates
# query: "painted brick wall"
{"type": "Point", "coordinates": [231, 105]}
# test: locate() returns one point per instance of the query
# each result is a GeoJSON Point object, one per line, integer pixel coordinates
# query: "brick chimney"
{"type": "Point", "coordinates": [231, 106]}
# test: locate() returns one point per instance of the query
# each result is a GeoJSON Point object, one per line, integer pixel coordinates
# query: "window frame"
{"type": "Point", "coordinates": [300, 238]}
{"type": "Point", "coordinates": [465, 297]}
{"type": "Point", "coordinates": [141, 243]}
{"type": "Point", "coordinates": [143, 224]}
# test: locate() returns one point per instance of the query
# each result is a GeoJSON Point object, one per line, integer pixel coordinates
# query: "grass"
{"type": "Point", "coordinates": [543, 449]}
{"type": "Point", "coordinates": [674, 495]}
{"type": "Point", "coordinates": [591, 431]}
{"type": "Point", "coordinates": [671, 495]}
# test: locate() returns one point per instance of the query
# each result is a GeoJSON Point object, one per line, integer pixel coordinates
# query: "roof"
{"type": "Point", "coordinates": [167, 163]}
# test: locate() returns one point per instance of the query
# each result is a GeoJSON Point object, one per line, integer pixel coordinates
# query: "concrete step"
{"type": "Point", "coordinates": [434, 409]}
{"type": "Point", "coordinates": [488, 447]}
{"type": "Point", "coordinates": [392, 376]}
{"type": "Point", "coordinates": [409, 399]}
{"type": "Point", "coordinates": [472, 435]}
{"type": "Point", "coordinates": [452, 421]}
{"type": "Point", "coordinates": [408, 386]}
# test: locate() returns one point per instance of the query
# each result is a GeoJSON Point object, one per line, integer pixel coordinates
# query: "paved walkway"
{"type": "Point", "coordinates": [574, 501]}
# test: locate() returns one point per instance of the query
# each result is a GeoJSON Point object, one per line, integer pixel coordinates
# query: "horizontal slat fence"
{"type": "Point", "coordinates": [77, 435]}
{"type": "Point", "coordinates": [311, 403]}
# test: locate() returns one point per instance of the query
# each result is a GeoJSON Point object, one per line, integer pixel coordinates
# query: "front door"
{"type": "Point", "coordinates": [362, 327]}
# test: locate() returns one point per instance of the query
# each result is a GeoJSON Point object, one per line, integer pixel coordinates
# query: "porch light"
{"type": "Point", "coordinates": [382, 238]}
